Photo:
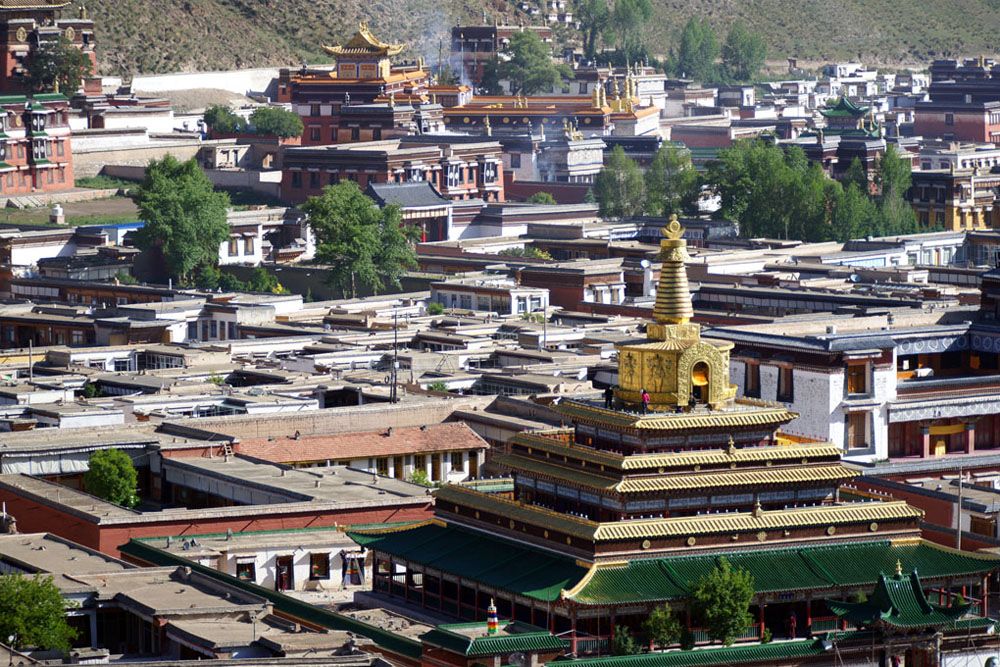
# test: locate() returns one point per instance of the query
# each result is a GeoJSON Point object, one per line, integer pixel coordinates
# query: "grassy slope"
{"type": "Point", "coordinates": [185, 35]}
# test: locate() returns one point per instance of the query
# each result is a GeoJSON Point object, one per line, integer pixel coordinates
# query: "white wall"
{"type": "Point", "coordinates": [235, 81]}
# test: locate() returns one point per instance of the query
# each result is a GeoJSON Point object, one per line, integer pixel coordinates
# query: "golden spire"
{"type": "Point", "coordinates": [673, 298]}
{"type": "Point", "coordinates": [899, 567]}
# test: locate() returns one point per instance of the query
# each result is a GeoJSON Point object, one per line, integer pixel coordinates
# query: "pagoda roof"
{"type": "Point", "coordinates": [488, 559]}
{"type": "Point", "coordinates": [844, 108]}
{"type": "Point", "coordinates": [364, 43]}
{"type": "Point", "coordinates": [685, 526]}
{"type": "Point", "coordinates": [668, 421]}
{"type": "Point", "coordinates": [825, 472]}
{"type": "Point", "coordinates": [773, 570]}
{"type": "Point", "coordinates": [680, 459]}
{"type": "Point", "coordinates": [470, 639]}
{"type": "Point", "coordinates": [898, 601]}
{"type": "Point", "coordinates": [505, 564]}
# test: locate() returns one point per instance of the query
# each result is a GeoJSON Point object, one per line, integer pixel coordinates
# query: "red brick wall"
{"type": "Point", "coordinates": [966, 126]}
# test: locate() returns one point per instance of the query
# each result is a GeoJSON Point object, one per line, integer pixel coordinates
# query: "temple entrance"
{"type": "Point", "coordinates": [699, 382]}
{"type": "Point", "coordinates": [283, 579]}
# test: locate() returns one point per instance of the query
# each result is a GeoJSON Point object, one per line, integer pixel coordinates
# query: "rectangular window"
{"type": "Point", "coordinates": [355, 134]}
{"type": "Point", "coordinates": [857, 376]}
{"type": "Point", "coordinates": [59, 149]}
{"type": "Point", "coordinates": [214, 328]}
{"type": "Point", "coordinates": [382, 466]}
{"type": "Point", "coordinates": [296, 179]}
{"type": "Point", "coordinates": [62, 174]}
{"type": "Point", "coordinates": [515, 160]}
{"type": "Point", "coordinates": [982, 526]}
{"type": "Point", "coordinates": [234, 246]}
{"type": "Point", "coordinates": [192, 331]}
{"type": "Point", "coordinates": [314, 134]}
{"type": "Point", "coordinates": [313, 180]}
{"type": "Point", "coordinates": [857, 431]}
{"type": "Point", "coordinates": [248, 245]}
{"type": "Point", "coordinates": [949, 119]}
{"type": "Point", "coordinates": [246, 572]}
{"type": "Point", "coordinates": [786, 391]}
{"type": "Point", "coordinates": [313, 109]}
{"type": "Point", "coordinates": [232, 329]}
{"type": "Point", "coordinates": [49, 176]}
{"type": "Point", "coordinates": [457, 462]}
{"type": "Point", "coordinates": [419, 462]}
{"type": "Point", "coordinates": [78, 338]}
{"type": "Point", "coordinates": [752, 384]}
{"type": "Point", "coordinates": [334, 178]}
{"type": "Point", "coordinates": [20, 151]}
{"type": "Point", "coordinates": [319, 566]}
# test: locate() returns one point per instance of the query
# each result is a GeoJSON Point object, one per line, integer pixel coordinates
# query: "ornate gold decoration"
{"type": "Point", "coordinates": [646, 544]}
{"type": "Point", "coordinates": [22, 34]}
{"type": "Point", "coordinates": [831, 530]}
{"type": "Point", "coordinates": [691, 541]}
{"type": "Point", "coordinates": [69, 33]}
{"type": "Point", "coordinates": [511, 524]}
{"type": "Point", "coordinates": [873, 526]}
{"type": "Point", "coordinates": [899, 567]}
{"type": "Point", "coordinates": [761, 536]}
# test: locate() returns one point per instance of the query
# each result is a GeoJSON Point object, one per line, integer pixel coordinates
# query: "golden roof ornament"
{"type": "Point", "coordinates": [673, 297]}
{"type": "Point", "coordinates": [899, 568]}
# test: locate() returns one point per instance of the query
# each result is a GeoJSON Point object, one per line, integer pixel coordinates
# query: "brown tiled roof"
{"type": "Point", "coordinates": [410, 440]}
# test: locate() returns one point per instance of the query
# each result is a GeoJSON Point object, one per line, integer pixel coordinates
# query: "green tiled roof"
{"type": "Point", "coordinates": [513, 637]}
{"type": "Point", "coordinates": [844, 108]}
{"type": "Point", "coordinates": [479, 557]}
{"type": "Point", "coordinates": [898, 600]}
{"type": "Point", "coordinates": [811, 567]}
{"type": "Point", "coordinates": [761, 653]}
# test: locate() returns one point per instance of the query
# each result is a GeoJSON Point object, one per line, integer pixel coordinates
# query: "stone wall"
{"type": "Point", "coordinates": [103, 161]}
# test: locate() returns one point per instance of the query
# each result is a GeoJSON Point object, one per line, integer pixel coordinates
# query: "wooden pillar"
{"type": "Point", "coordinates": [760, 608]}
{"type": "Point", "coordinates": [985, 590]}
{"type": "Point", "coordinates": [572, 628]}
{"type": "Point", "coordinates": [970, 437]}
{"type": "Point", "coordinates": [531, 607]}
{"type": "Point", "coordinates": [423, 589]}
{"type": "Point", "coordinates": [925, 439]}
{"type": "Point", "coordinates": [809, 617]}
{"type": "Point", "coordinates": [552, 618]}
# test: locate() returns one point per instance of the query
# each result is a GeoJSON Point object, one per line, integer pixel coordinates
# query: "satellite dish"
{"type": "Point", "coordinates": [644, 263]}
{"type": "Point", "coordinates": [854, 278]}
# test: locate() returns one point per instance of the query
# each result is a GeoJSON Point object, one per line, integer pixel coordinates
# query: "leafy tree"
{"type": "Point", "coordinates": [628, 19]}
{"type": "Point", "coordinates": [221, 120]}
{"type": "Point", "coordinates": [91, 390]}
{"type": "Point", "coordinates": [438, 386]}
{"type": "Point", "coordinates": [672, 184]}
{"type": "Point", "coordinates": [589, 197]}
{"type": "Point", "coordinates": [33, 611]}
{"type": "Point", "coordinates": [447, 76]}
{"type": "Point", "coordinates": [854, 214]}
{"type": "Point", "coordinates": [57, 64]}
{"type": "Point", "coordinates": [184, 216]}
{"type": "Point", "coordinates": [622, 642]}
{"type": "Point", "coordinates": [420, 477]}
{"type": "Point", "coordinates": [362, 244]}
{"type": "Point", "coordinates": [275, 122]}
{"type": "Point", "coordinates": [111, 476]}
{"type": "Point", "coordinates": [698, 50]}
{"type": "Point", "coordinates": [490, 83]}
{"type": "Point", "coordinates": [527, 251]}
{"type": "Point", "coordinates": [892, 173]}
{"type": "Point", "coordinates": [125, 278]}
{"type": "Point", "coordinates": [542, 198]}
{"type": "Point", "coordinates": [662, 626]}
{"type": "Point", "coordinates": [529, 67]}
{"type": "Point", "coordinates": [594, 17]}
{"type": "Point", "coordinates": [619, 186]}
{"type": "Point", "coordinates": [263, 281]}
{"type": "Point", "coordinates": [743, 53]}
{"type": "Point", "coordinates": [721, 601]}
{"type": "Point", "coordinates": [855, 174]}
{"type": "Point", "coordinates": [435, 308]}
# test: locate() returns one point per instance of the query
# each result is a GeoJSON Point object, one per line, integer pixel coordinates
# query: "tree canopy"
{"type": "Point", "coordinates": [275, 122]}
{"type": "Point", "coordinates": [619, 186]}
{"type": "Point", "coordinates": [55, 64]}
{"type": "Point", "coordinates": [697, 50]}
{"type": "Point", "coordinates": [743, 53]}
{"type": "Point", "coordinates": [542, 198]}
{"type": "Point", "coordinates": [32, 610]}
{"type": "Point", "coordinates": [529, 66]}
{"type": "Point", "coordinates": [672, 184]}
{"type": "Point", "coordinates": [363, 245]}
{"type": "Point", "coordinates": [490, 83]}
{"type": "Point", "coordinates": [662, 626]}
{"type": "Point", "coordinates": [594, 17]}
{"type": "Point", "coordinates": [221, 120]}
{"type": "Point", "coordinates": [721, 601]}
{"type": "Point", "coordinates": [627, 20]}
{"type": "Point", "coordinates": [111, 476]}
{"type": "Point", "coordinates": [185, 217]}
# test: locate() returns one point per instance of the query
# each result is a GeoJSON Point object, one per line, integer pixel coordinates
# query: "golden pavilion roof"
{"type": "Point", "coordinates": [364, 43]}
{"type": "Point", "coordinates": [706, 524]}
{"type": "Point", "coordinates": [668, 421]}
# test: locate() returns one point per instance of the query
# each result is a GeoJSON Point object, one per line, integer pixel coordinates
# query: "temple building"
{"type": "Point", "coordinates": [638, 498]}
{"type": "Point", "coordinates": [28, 23]}
{"type": "Point", "coordinates": [473, 47]}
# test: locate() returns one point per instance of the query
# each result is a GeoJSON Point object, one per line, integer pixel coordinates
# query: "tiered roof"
{"type": "Point", "coordinates": [470, 639]}
{"type": "Point", "coordinates": [898, 602]}
{"type": "Point", "coordinates": [364, 43]}
{"type": "Point", "coordinates": [844, 108]}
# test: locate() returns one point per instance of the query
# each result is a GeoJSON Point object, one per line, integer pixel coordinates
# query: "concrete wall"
{"type": "Point", "coordinates": [415, 412]}
{"type": "Point", "coordinates": [104, 161]}
{"type": "Point", "coordinates": [236, 81]}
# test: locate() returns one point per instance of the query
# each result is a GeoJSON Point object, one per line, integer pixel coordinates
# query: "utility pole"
{"type": "Point", "coordinates": [958, 531]}
{"type": "Point", "coordinates": [395, 354]}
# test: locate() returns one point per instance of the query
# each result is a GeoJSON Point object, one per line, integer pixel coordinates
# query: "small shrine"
{"type": "Point", "coordinates": [364, 56]}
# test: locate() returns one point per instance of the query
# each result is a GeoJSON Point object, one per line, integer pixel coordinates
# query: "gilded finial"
{"type": "Point", "coordinates": [83, 11]}
{"type": "Point", "coordinates": [899, 567]}
{"type": "Point", "coordinates": [673, 231]}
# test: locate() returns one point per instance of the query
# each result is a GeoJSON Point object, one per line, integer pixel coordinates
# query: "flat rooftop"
{"type": "Point", "coordinates": [47, 553]}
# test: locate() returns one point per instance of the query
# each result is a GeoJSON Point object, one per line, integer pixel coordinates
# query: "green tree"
{"type": "Point", "coordinates": [221, 120]}
{"type": "Point", "coordinates": [892, 173]}
{"type": "Point", "coordinates": [662, 626]}
{"type": "Point", "coordinates": [185, 217]}
{"type": "Point", "coordinates": [721, 601]}
{"type": "Point", "coordinates": [32, 610]}
{"type": "Point", "coordinates": [435, 308]}
{"type": "Point", "coordinates": [542, 198]}
{"type": "Point", "coordinates": [622, 642]}
{"type": "Point", "coordinates": [854, 214]}
{"type": "Point", "coordinates": [588, 197]}
{"type": "Point", "coordinates": [698, 50]}
{"type": "Point", "coordinates": [438, 385]}
{"type": "Point", "coordinates": [57, 65]}
{"type": "Point", "coordinates": [363, 245]}
{"type": "Point", "coordinates": [420, 477]}
{"type": "Point", "coordinates": [490, 83]}
{"type": "Point", "coordinates": [275, 122]}
{"type": "Point", "coordinates": [446, 76]}
{"type": "Point", "coordinates": [672, 184]}
{"type": "Point", "coordinates": [261, 280]}
{"type": "Point", "coordinates": [619, 186]}
{"type": "Point", "coordinates": [855, 173]}
{"type": "Point", "coordinates": [743, 53]}
{"type": "Point", "coordinates": [594, 18]}
{"type": "Point", "coordinates": [527, 251]}
{"type": "Point", "coordinates": [110, 475]}
{"type": "Point", "coordinates": [628, 19]}
{"type": "Point", "coordinates": [529, 66]}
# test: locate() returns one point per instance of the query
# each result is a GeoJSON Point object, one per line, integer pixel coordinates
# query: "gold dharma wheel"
{"type": "Point", "coordinates": [22, 34]}
{"type": "Point", "coordinates": [70, 33]}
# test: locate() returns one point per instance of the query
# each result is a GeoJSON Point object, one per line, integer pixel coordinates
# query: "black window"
{"type": "Point", "coordinates": [313, 179]}
{"type": "Point", "coordinates": [319, 566]}
{"type": "Point", "coordinates": [296, 179]}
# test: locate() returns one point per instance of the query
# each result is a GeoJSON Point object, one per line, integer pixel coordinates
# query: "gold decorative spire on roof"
{"type": "Point", "coordinates": [899, 567]}
{"type": "Point", "coordinates": [673, 298]}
